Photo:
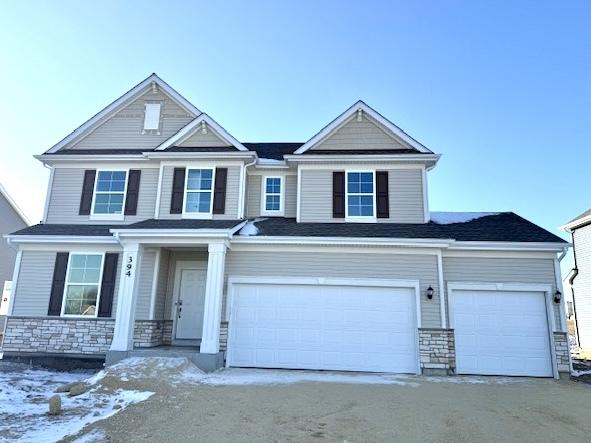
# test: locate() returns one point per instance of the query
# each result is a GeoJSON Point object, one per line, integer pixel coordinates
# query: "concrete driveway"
{"type": "Point", "coordinates": [238, 405]}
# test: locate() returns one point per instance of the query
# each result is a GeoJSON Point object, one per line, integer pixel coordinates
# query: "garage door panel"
{"type": "Point", "coordinates": [506, 333]}
{"type": "Point", "coordinates": [323, 327]}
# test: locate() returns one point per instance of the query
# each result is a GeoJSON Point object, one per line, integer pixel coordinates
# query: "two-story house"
{"type": "Point", "coordinates": [161, 228]}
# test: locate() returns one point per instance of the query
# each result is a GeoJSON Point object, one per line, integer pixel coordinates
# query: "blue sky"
{"type": "Point", "coordinates": [501, 89]}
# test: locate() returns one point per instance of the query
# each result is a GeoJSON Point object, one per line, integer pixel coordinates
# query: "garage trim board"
{"type": "Point", "coordinates": [544, 289]}
{"type": "Point", "coordinates": [236, 282]}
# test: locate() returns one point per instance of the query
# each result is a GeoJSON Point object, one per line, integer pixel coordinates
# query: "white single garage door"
{"type": "Point", "coordinates": [350, 328]}
{"type": "Point", "coordinates": [501, 333]}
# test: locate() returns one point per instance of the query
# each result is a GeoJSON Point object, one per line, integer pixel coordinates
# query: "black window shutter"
{"type": "Point", "coordinates": [133, 191]}
{"type": "Point", "coordinates": [382, 199]}
{"type": "Point", "coordinates": [108, 285]}
{"type": "Point", "coordinates": [338, 194]}
{"type": "Point", "coordinates": [58, 284]}
{"type": "Point", "coordinates": [87, 191]}
{"type": "Point", "coordinates": [178, 191]}
{"type": "Point", "coordinates": [219, 192]}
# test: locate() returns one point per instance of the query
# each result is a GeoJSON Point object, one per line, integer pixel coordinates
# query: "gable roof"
{"type": "Point", "coordinates": [349, 113]}
{"type": "Point", "coordinates": [273, 150]}
{"type": "Point", "coordinates": [121, 102]}
{"type": "Point", "coordinates": [14, 206]}
{"type": "Point", "coordinates": [581, 219]}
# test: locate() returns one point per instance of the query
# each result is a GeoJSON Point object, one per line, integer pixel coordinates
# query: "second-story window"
{"type": "Point", "coordinates": [199, 192]}
{"type": "Point", "coordinates": [360, 188]}
{"type": "Point", "coordinates": [272, 203]}
{"type": "Point", "coordinates": [109, 193]}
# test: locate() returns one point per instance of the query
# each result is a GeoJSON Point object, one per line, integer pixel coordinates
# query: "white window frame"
{"type": "Point", "coordinates": [121, 216]}
{"type": "Point", "coordinates": [99, 286]}
{"type": "Point", "coordinates": [281, 210]}
{"type": "Point", "coordinates": [360, 218]}
{"type": "Point", "coordinates": [198, 215]}
{"type": "Point", "coordinates": [152, 130]}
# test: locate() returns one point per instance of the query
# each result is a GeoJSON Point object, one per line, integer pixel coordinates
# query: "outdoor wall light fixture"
{"type": "Point", "coordinates": [557, 296]}
{"type": "Point", "coordinates": [430, 292]}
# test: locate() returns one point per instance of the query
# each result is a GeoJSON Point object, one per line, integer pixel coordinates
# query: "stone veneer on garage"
{"type": "Point", "coordinates": [437, 351]}
{"type": "Point", "coordinates": [561, 349]}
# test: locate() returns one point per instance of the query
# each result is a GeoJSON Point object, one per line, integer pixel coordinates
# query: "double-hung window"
{"type": "Point", "coordinates": [360, 203]}
{"type": "Point", "coordinates": [82, 288]}
{"type": "Point", "coordinates": [272, 202]}
{"type": "Point", "coordinates": [199, 192]}
{"type": "Point", "coordinates": [109, 193]}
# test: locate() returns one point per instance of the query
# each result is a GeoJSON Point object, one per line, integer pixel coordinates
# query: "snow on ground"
{"type": "Point", "coordinates": [24, 395]}
{"type": "Point", "coordinates": [446, 218]}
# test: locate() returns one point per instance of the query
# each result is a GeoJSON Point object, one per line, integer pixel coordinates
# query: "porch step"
{"type": "Point", "coordinates": [205, 362]}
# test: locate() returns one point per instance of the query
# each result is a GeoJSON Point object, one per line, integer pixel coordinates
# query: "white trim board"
{"type": "Point", "coordinates": [13, 204]}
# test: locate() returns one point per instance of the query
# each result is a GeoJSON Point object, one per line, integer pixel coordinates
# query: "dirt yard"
{"type": "Point", "coordinates": [293, 406]}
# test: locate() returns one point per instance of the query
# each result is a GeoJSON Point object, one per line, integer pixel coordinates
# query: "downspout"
{"type": "Point", "coordinates": [243, 189]}
{"type": "Point", "coordinates": [572, 289]}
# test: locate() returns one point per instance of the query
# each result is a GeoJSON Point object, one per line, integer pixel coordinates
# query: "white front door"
{"type": "Point", "coordinates": [350, 328]}
{"type": "Point", "coordinates": [190, 302]}
{"type": "Point", "coordinates": [501, 333]}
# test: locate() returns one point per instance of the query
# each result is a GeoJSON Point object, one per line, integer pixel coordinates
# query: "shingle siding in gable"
{"type": "Point", "coordinates": [405, 195]}
{"type": "Point", "coordinates": [64, 198]}
{"type": "Point", "coordinates": [582, 284]}
{"type": "Point", "coordinates": [124, 129]}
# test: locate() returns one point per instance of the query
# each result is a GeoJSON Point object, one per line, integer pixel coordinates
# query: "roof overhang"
{"type": "Point", "coordinates": [73, 239]}
{"type": "Point", "coordinates": [176, 155]}
{"type": "Point", "coordinates": [174, 236]}
{"type": "Point", "coordinates": [429, 159]}
{"type": "Point", "coordinates": [577, 223]}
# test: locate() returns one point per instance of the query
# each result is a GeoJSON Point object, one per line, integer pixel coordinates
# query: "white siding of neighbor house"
{"type": "Point", "coordinates": [124, 129]}
{"type": "Point", "coordinates": [502, 270]}
{"type": "Point", "coordinates": [34, 283]}
{"type": "Point", "coordinates": [582, 285]}
{"type": "Point", "coordinates": [334, 264]}
{"type": "Point", "coordinates": [254, 195]}
{"type": "Point", "coordinates": [64, 198]}
{"type": "Point", "coordinates": [232, 194]}
{"type": "Point", "coordinates": [198, 139]}
{"type": "Point", "coordinates": [355, 135]}
{"type": "Point", "coordinates": [405, 192]}
{"type": "Point", "coordinates": [10, 222]}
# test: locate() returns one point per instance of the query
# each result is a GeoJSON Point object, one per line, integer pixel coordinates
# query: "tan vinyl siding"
{"type": "Point", "coordinates": [254, 195]}
{"type": "Point", "coordinates": [362, 135]}
{"type": "Point", "coordinates": [64, 198]}
{"type": "Point", "coordinates": [124, 129]}
{"type": "Point", "coordinates": [162, 285]}
{"type": "Point", "coordinates": [198, 139]}
{"type": "Point", "coordinates": [405, 189]}
{"type": "Point", "coordinates": [10, 222]}
{"type": "Point", "coordinates": [334, 264]}
{"type": "Point", "coordinates": [502, 270]}
{"type": "Point", "coordinates": [232, 194]}
{"type": "Point", "coordinates": [34, 283]}
{"type": "Point", "coordinates": [144, 285]}
{"type": "Point", "coordinates": [582, 285]}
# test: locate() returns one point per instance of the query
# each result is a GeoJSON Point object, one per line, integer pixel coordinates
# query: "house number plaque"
{"type": "Point", "coordinates": [129, 266]}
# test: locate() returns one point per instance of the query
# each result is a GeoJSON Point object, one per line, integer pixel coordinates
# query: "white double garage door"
{"type": "Point", "coordinates": [330, 324]}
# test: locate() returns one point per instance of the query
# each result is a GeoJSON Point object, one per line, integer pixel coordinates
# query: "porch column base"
{"type": "Point", "coordinates": [113, 357]}
{"type": "Point", "coordinates": [209, 362]}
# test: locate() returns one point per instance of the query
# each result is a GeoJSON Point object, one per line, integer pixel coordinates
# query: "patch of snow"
{"type": "Point", "coordinates": [474, 380]}
{"type": "Point", "coordinates": [250, 229]}
{"type": "Point", "coordinates": [576, 373]}
{"type": "Point", "coordinates": [446, 218]}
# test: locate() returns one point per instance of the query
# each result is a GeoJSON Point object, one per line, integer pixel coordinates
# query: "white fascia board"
{"type": "Point", "coordinates": [70, 239]}
{"type": "Point", "coordinates": [190, 128]}
{"type": "Point", "coordinates": [341, 119]}
{"type": "Point", "coordinates": [167, 155]}
{"type": "Point", "coordinates": [570, 227]}
{"type": "Point", "coordinates": [129, 96]}
{"type": "Point", "coordinates": [14, 206]}
{"type": "Point", "coordinates": [510, 246]}
{"type": "Point", "coordinates": [422, 158]}
{"type": "Point", "coordinates": [55, 159]}
{"type": "Point", "coordinates": [271, 163]}
{"type": "Point", "coordinates": [358, 241]}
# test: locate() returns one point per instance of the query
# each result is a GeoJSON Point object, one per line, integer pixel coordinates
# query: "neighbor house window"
{"type": "Point", "coordinates": [360, 194]}
{"type": "Point", "coordinates": [82, 285]}
{"type": "Point", "coordinates": [152, 116]}
{"type": "Point", "coordinates": [272, 195]}
{"type": "Point", "coordinates": [109, 192]}
{"type": "Point", "coordinates": [199, 191]}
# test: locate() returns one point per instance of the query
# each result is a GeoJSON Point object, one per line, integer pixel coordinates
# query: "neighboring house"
{"type": "Point", "coordinates": [162, 228]}
{"type": "Point", "coordinates": [580, 277]}
{"type": "Point", "coordinates": [11, 219]}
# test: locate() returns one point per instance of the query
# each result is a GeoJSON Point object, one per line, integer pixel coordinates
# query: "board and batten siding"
{"type": "Point", "coordinates": [502, 270]}
{"type": "Point", "coordinates": [34, 284]}
{"type": "Point", "coordinates": [254, 195]}
{"type": "Point", "coordinates": [334, 264]}
{"type": "Point", "coordinates": [405, 194]}
{"type": "Point", "coordinates": [232, 194]}
{"type": "Point", "coordinates": [360, 135]}
{"type": "Point", "coordinates": [64, 198]}
{"type": "Point", "coordinates": [124, 129]}
{"type": "Point", "coordinates": [582, 285]}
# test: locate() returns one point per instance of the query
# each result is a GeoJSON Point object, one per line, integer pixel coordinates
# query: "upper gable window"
{"type": "Point", "coordinates": [272, 201]}
{"type": "Point", "coordinates": [360, 186]}
{"type": "Point", "coordinates": [109, 193]}
{"type": "Point", "coordinates": [199, 193]}
{"type": "Point", "coordinates": [152, 116]}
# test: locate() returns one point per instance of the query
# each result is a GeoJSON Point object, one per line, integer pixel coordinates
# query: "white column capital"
{"type": "Point", "coordinates": [217, 247]}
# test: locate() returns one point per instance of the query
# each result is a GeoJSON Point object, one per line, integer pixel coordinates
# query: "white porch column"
{"type": "Point", "coordinates": [214, 288]}
{"type": "Point", "coordinates": [126, 298]}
